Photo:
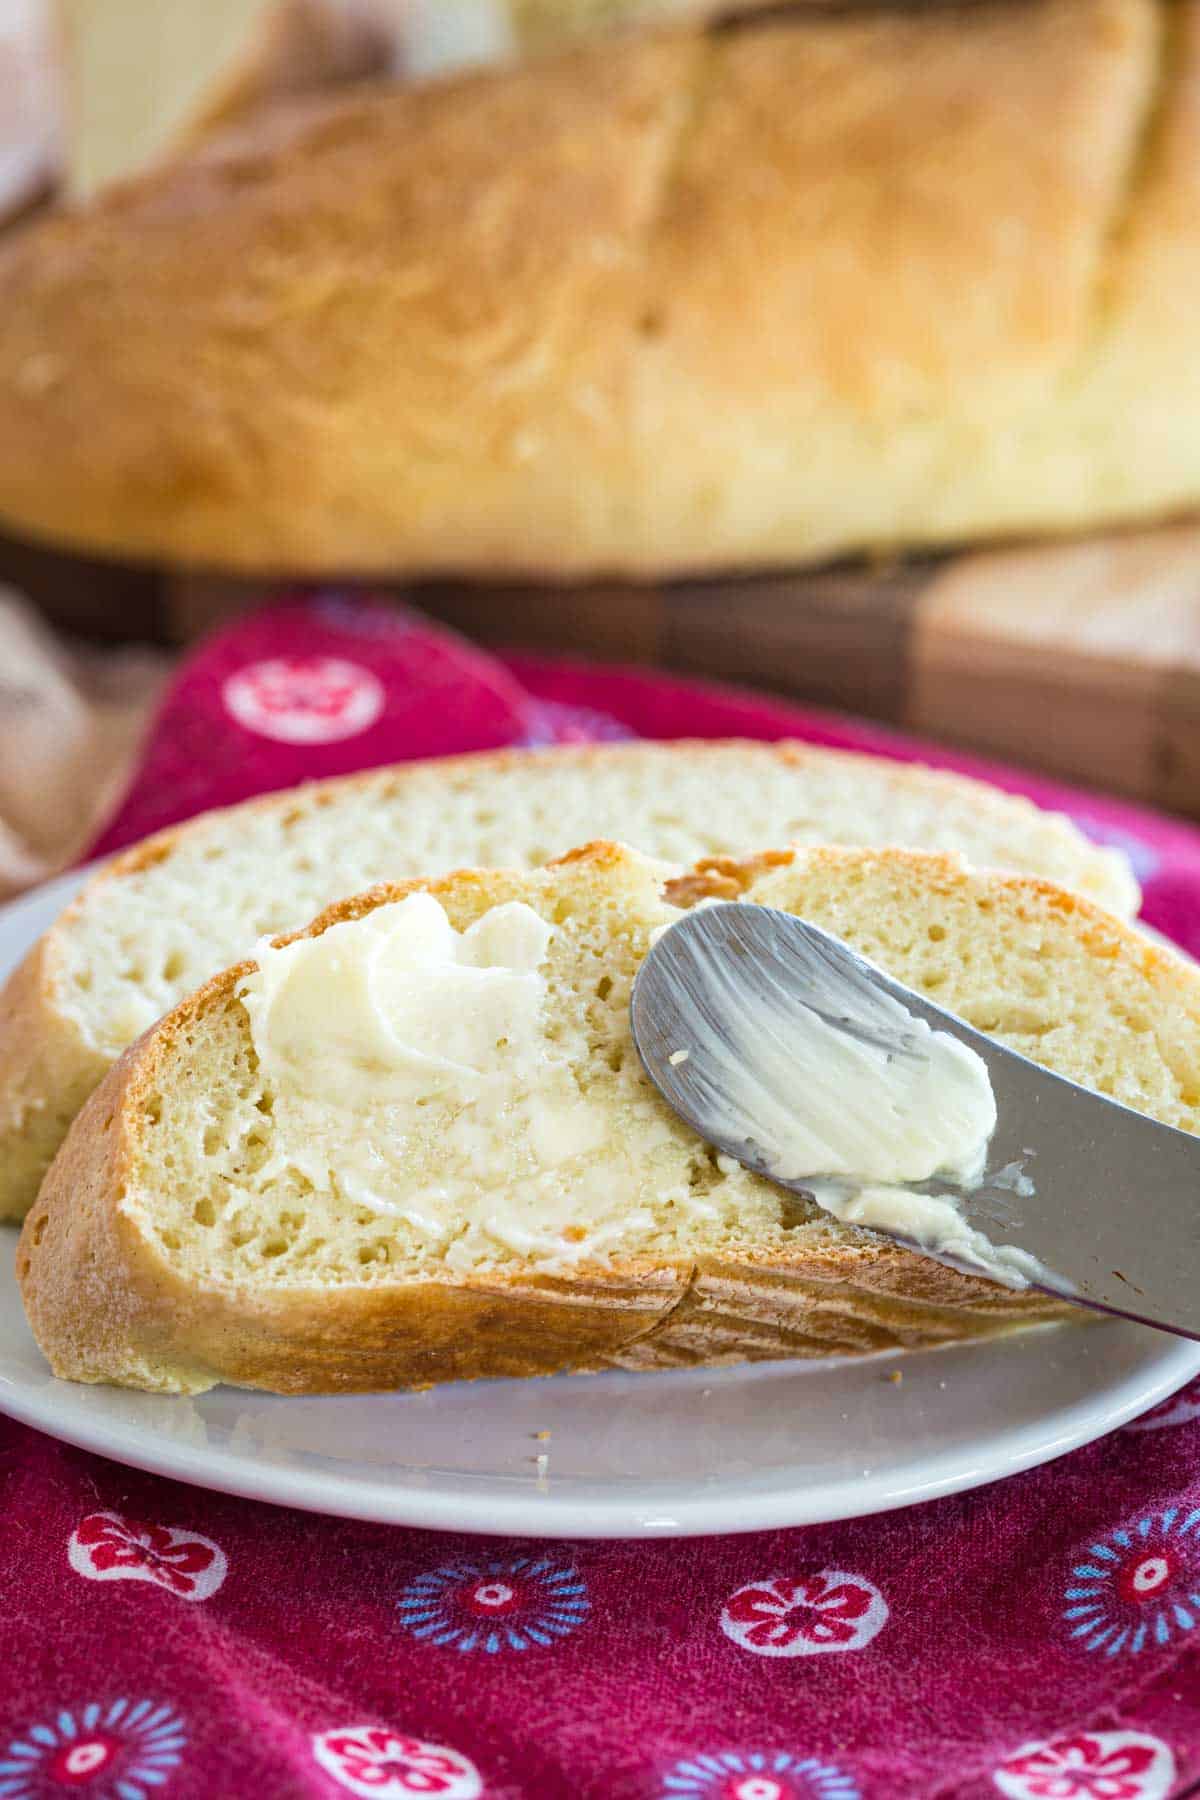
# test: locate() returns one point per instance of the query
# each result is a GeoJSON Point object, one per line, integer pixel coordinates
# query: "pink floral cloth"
{"type": "Point", "coordinates": [1037, 1639]}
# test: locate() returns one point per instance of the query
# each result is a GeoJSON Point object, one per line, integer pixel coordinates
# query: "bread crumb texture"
{"type": "Point", "coordinates": [168, 914]}
{"type": "Point", "coordinates": [175, 1234]}
{"type": "Point", "coordinates": [174, 911]}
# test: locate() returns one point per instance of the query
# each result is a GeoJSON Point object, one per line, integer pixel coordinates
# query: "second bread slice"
{"type": "Point", "coordinates": [172, 911]}
{"type": "Point", "coordinates": [202, 1223]}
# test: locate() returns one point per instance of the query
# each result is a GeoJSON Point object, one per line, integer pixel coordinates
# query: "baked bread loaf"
{"type": "Point", "coordinates": [169, 913]}
{"type": "Point", "coordinates": [233, 1205]}
{"type": "Point", "coordinates": [149, 79]}
{"type": "Point", "coordinates": [674, 301]}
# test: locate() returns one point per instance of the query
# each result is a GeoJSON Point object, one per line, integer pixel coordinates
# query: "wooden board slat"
{"type": "Point", "coordinates": [1079, 658]}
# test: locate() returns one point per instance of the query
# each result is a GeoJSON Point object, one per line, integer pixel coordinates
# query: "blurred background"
{"type": "Point", "coordinates": [1059, 629]}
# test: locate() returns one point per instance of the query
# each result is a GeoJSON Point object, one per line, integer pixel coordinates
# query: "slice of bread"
{"type": "Point", "coordinates": [171, 912]}
{"type": "Point", "coordinates": [195, 1228]}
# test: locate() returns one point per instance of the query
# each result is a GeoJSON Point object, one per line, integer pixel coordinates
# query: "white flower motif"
{"type": "Point", "coordinates": [380, 1764]}
{"type": "Point", "coordinates": [1089, 1765]}
{"type": "Point", "coordinates": [304, 699]}
{"type": "Point", "coordinates": [805, 1615]}
{"type": "Point", "coordinates": [104, 1546]}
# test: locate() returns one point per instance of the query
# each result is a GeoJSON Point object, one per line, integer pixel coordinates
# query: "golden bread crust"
{"type": "Point", "coordinates": [106, 1305]}
{"type": "Point", "coordinates": [677, 301]}
{"type": "Point", "coordinates": [47, 1071]}
{"type": "Point", "coordinates": [47, 1067]}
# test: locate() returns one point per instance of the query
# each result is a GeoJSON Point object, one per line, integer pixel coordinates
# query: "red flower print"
{"type": "Point", "coordinates": [1089, 1765]}
{"type": "Point", "coordinates": [1180, 1409]}
{"type": "Point", "coordinates": [371, 1760]}
{"type": "Point", "coordinates": [106, 1547]}
{"type": "Point", "coordinates": [304, 699]}
{"type": "Point", "coordinates": [1138, 1578]}
{"type": "Point", "coordinates": [803, 1615]}
{"type": "Point", "coordinates": [79, 1764]}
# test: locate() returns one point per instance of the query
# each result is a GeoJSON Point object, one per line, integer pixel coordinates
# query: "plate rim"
{"type": "Point", "coordinates": [531, 1512]}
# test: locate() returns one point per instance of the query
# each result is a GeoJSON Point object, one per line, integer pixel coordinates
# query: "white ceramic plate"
{"type": "Point", "coordinates": [627, 1455]}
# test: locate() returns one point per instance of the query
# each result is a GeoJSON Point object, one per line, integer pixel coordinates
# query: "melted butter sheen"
{"type": "Point", "coordinates": [411, 1074]}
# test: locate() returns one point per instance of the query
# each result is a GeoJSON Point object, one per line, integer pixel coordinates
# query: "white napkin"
{"type": "Point", "coordinates": [71, 721]}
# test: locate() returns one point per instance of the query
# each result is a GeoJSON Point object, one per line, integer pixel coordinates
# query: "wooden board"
{"type": "Point", "coordinates": [1078, 658]}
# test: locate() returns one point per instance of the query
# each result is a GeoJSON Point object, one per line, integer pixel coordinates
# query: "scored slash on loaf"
{"type": "Point", "coordinates": [680, 301]}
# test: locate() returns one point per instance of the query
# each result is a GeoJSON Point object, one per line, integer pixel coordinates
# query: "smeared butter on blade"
{"type": "Point", "coordinates": [841, 1089]}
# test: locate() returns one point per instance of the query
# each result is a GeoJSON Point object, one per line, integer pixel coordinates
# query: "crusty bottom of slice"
{"type": "Point", "coordinates": [155, 1257]}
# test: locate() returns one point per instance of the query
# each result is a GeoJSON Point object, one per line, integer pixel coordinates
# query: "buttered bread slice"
{"type": "Point", "coordinates": [414, 1143]}
{"type": "Point", "coordinates": [171, 912]}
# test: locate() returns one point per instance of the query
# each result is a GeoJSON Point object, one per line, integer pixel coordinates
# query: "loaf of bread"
{"type": "Point", "coordinates": [207, 1218]}
{"type": "Point", "coordinates": [147, 79]}
{"type": "Point", "coordinates": [173, 911]}
{"type": "Point", "coordinates": [694, 298]}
